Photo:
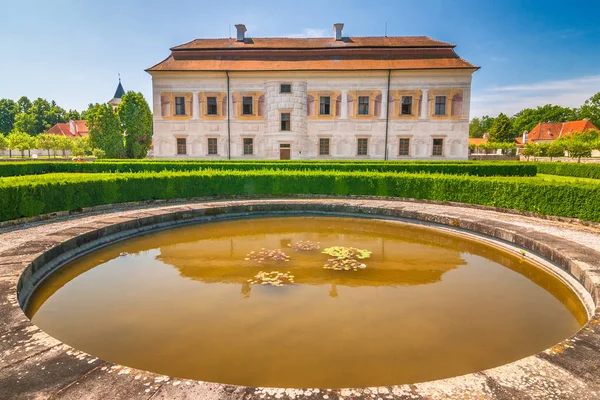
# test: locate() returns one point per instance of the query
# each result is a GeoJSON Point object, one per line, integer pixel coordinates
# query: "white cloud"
{"type": "Point", "coordinates": [511, 99]}
{"type": "Point", "coordinates": [309, 33]}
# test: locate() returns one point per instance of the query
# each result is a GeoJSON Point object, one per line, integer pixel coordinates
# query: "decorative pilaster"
{"type": "Point", "coordinates": [344, 113]}
{"type": "Point", "coordinates": [195, 106]}
{"type": "Point", "coordinates": [425, 105]}
{"type": "Point", "coordinates": [385, 97]}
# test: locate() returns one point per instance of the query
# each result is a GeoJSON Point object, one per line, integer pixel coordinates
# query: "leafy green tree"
{"type": "Point", "coordinates": [136, 120]}
{"type": "Point", "coordinates": [72, 115]}
{"type": "Point", "coordinates": [64, 144]}
{"type": "Point", "coordinates": [501, 129]}
{"type": "Point", "coordinates": [530, 150]}
{"type": "Point", "coordinates": [18, 140]}
{"type": "Point", "coordinates": [80, 146]}
{"type": "Point", "coordinates": [528, 118]}
{"type": "Point", "coordinates": [556, 149]}
{"type": "Point", "coordinates": [47, 141]}
{"type": "Point", "coordinates": [8, 111]}
{"type": "Point", "coordinates": [3, 142]}
{"type": "Point", "coordinates": [475, 130]}
{"type": "Point", "coordinates": [579, 148]}
{"type": "Point", "coordinates": [591, 110]}
{"type": "Point", "coordinates": [105, 130]}
{"type": "Point", "coordinates": [543, 149]}
{"type": "Point", "coordinates": [24, 104]}
{"type": "Point", "coordinates": [25, 122]}
{"type": "Point", "coordinates": [99, 153]}
{"type": "Point", "coordinates": [486, 123]}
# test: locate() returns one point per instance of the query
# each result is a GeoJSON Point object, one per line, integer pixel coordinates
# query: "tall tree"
{"type": "Point", "coordinates": [25, 122]}
{"type": "Point", "coordinates": [475, 130]}
{"type": "Point", "coordinates": [72, 115]}
{"type": "Point", "coordinates": [136, 120]}
{"type": "Point", "coordinates": [486, 123]}
{"type": "Point", "coordinates": [591, 110]}
{"type": "Point", "coordinates": [501, 130]}
{"type": "Point", "coordinates": [24, 104]}
{"type": "Point", "coordinates": [105, 130]}
{"type": "Point", "coordinates": [8, 111]}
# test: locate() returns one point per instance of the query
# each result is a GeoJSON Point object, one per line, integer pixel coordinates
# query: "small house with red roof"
{"type": "Point", "coordinates": [546, 132]}
{"type": "Point", "coordinates": [72, 129]}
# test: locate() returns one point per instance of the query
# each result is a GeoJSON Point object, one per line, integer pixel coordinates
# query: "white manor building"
{"type": "Point", "coordinates": [312, 98]}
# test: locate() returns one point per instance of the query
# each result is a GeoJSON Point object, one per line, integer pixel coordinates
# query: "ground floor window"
{"type": "Point", "coordinates": [404, 147]}
{"type": "Point", "coordinates": [323, 146]}
{"type": "Point", "coordinates": [248, 146]}
{"type": "Point", "coordinates": [181, 146]}
{"type": "Point", "coordinates": [362, 146]}
{"type": "Point", "coordinates": [438, 147]}
{"type": "Point", "coordinates": [212, 146]}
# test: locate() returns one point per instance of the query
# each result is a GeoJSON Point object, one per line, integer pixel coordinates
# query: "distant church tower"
{"type": "Point", "coordinates": [116, 100]}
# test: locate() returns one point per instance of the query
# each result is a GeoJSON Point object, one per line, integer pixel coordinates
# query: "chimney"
{"type": "Point", "coordinates": [338, 31]}
{"type": "Point", "coordinates": [241, 31]}
{"type": "Point", "coordinates": [72, 127]}
{"type": "Point", "coordinates": [525, 136]}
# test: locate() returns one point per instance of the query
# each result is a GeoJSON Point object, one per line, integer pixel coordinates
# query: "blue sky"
{"type": "Point", "coordinates": [531, 52]}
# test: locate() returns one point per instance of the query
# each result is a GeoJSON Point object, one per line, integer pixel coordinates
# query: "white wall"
{"type": "Point", "coordinates": [306, 132]}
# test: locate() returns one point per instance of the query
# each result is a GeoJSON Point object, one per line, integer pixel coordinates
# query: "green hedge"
{"type": "Point", "coordinates": [33, 195]}
{"type": "Point", "coordinates": [459, 168]}
{"type": "Point", "coordinates": [569, 169]}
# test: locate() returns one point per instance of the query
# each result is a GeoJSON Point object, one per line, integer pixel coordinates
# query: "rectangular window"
{"type": "Point", "coordinates": [404, 147]}
{"type": "Point", "coordinates": [440, 105]}
{"type": "Point", "coordinates": [247, 102]}
{"type": "Point", "coordinates": [181, 146]}
{"type": "Point", "coordinates": [323, 147]}
{"type": "Point", "coordinates": [212, 146]}
{"type": "Point", "coordinates": [363, 147]}
{"type": "Point", "coordinates": [211, 106]}
{"type": "Point", "coordinates": [363, 105]}
{"type": "Point", "coordinates": [286, 123]}
{"type": "Point", "coordinates": [285, 88]}
{"type": "Point", "coordinates": [179, 105]}
{"type": "Point", "coordinates": [438, 147]}
{"type": "Point", "coordinates": [248, 146]}
{"type": "Point", "coordinates": [325, 105]}
{"type": "Point", "coordinates": [406, 105]}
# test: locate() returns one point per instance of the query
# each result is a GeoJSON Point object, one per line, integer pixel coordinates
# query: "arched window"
{"type": "Point", "coordinates": [377, 106]}
{"type": "Point", "coordinates": [310, 106]}
{"type": "Point", "coordinates": [457, 105]}
{"type": "Point", "coordinates": [224, 105]}
{"type": "Point", "coordinates": [350, 106]}
{"type": "Point", "coordinates": [261, 106]}
{"type": "Point", "coordinates": [165, 106]}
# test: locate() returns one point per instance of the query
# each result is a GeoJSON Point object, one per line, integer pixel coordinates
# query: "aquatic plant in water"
{"type": "Point", "coordinates": [305, 245]}
{"type": "Point", "coordinates": [267, 255]}
{"type": "Point", "coordinates": [346, 258]}
{"type": "Point", "coordinates": [273, 278]}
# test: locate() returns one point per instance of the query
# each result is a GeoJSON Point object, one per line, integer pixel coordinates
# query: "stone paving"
{"type": "Point", "coordinates": [34, 365]}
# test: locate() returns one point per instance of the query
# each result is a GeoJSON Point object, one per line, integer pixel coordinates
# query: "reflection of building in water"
{"type": "Point", "coordinates": [333, 291]}
{"type": "Point", "coordinates": [246, 290]}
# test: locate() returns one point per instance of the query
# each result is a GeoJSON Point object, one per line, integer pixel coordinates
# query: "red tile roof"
{"type": "Point", "coordinates": [477, 141]}
{"type": "Point", "coordinates": [553, 130]}
{"type": "Point", "coordinates": [64, 129]}
{"type": "Point", "coordinates": [304, 54]}
{"type": "Point", "coordinates": [313, 43]}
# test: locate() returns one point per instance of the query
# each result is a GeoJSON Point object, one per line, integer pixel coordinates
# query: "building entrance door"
{"type": "Point", "coordinates": [285, 151]}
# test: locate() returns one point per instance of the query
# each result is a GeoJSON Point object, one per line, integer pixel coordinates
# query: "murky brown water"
{"type": "Point", "coordinates": [428, 305]}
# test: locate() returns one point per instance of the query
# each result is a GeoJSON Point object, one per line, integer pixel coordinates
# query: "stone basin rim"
{"type": "Point", "coordinates": [548, 266]}
{"type": "Point", "coordinates": [519, 379]}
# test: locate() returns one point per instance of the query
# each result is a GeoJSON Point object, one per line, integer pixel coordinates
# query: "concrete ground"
{"type": "Point", "coordinates": [34, 365]}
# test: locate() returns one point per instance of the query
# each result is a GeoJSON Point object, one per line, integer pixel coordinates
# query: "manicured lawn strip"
{"type": "Point", "coordinates": [591, 170]}
{"type": "Point", "coordinates": [459, 168]}
{"type": "Point", "coordinates": [33, 195]}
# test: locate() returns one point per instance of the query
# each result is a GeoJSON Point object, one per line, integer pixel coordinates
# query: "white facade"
{"type": "Point", "coordinates": [343, 127]}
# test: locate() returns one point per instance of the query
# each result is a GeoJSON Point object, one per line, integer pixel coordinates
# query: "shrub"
{"type": "Point", "coordinates": [460, 168]}
{"type": "Point", "coordinates": [33, 195]}
{"type": "Point", "coordinates": [570, 169]}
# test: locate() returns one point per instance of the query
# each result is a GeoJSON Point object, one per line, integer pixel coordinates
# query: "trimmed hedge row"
{"type": "Point", "coordinates": [34, 195]}
{"type": "Point", "coordinates": [461, 168]}
{"type": "Point", "coordinates": [569, 169]}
